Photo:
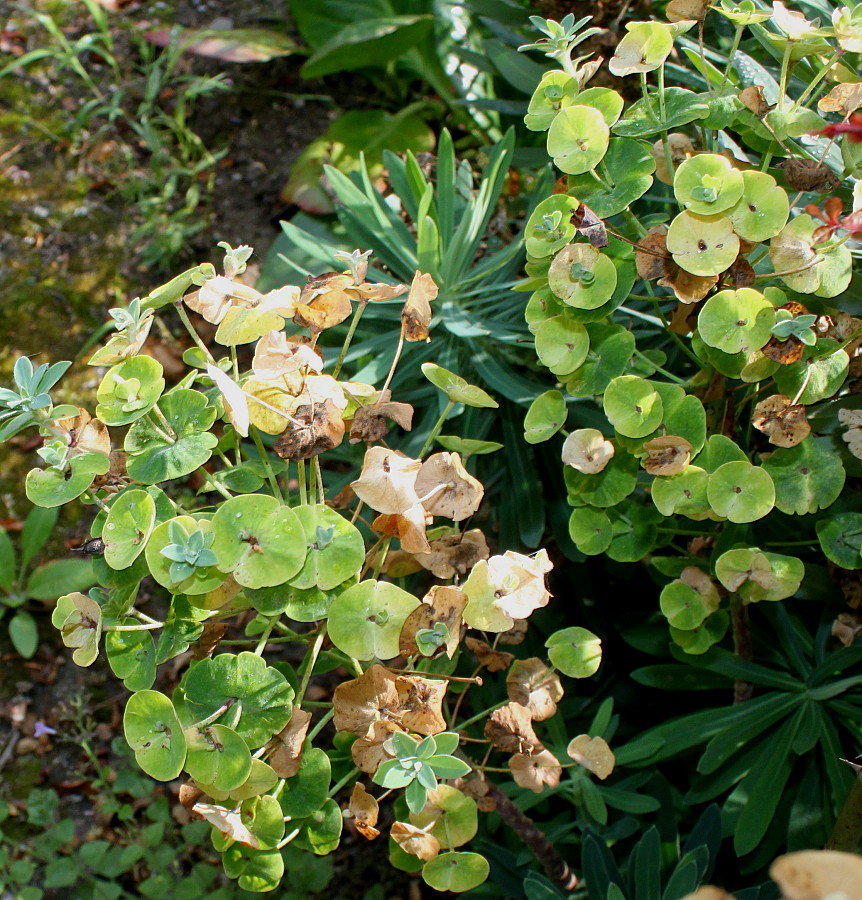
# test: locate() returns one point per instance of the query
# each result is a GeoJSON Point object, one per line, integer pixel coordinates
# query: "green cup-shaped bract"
{"type": "Point", "coordinates": [561, 345]}
{"type": "Point", "coordinates": [762, 210]}
{"type": "Point", "coordinates": [741, 492]}
{"type": "Point", "coordinates": [153, 731]}
{"type": "Point", "coordinates": [702, 245]}
{"type": "Point", "coordinates": [582, 276]}
{"type": "Point", "coordinates": [129, 524]}
{"type": "Point", "coordinates": [129, 390]}
{"type": "Point", "coordinates": [707, 184]}
{"type": "Point", "coordinates": [736, 321]}
{"type": "Point", "coordinates": [578, 139]}
{"type": "Point", "coordinates": [555, 91]}
{"type": "Point", "coordinates": [633, 406]}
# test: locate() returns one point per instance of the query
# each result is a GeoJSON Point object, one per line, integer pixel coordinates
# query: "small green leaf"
{"type": "Point", "coordinates": [456, 871]}
{"type": "Point", "coordinates": [576, 652]}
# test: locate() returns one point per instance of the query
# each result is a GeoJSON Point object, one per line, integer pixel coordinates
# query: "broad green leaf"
{"type": "Point", "coordinates": [576, 652]}
{"type": "Point", "coordinates": [127, 528]}
{"type": "Point", "coordinates": [545, 417]}
{"type": "Point", "coordinates": [37, 529]}
{"type": "Point", "coordinates": [808, 477]}
{"type": "Point", "coordinates": [132, 656]}
{"type": "Point", "coordinates": [153, 731]}
{"type": "Point", "coordinates": [741, 492]}
{"type": "Point", "coordinates": [368, 618]}
{"type": "Point", "coordinates": [257, 696]}
{"type": "Point", "coordinates": [53, 487]}
{"type": "Point", "coordinates": [217, 756]}
{"type": "Point", "coordinates": [58, 577]}
{"type": "Point", "coordinates": [335, 549]}
{"type": "Point", "coordinates": [24, 633]}
{"type": "Point", "coordinates": [456, 871]}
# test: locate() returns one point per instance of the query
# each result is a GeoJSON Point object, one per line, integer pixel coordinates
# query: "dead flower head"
{"type": "Point", "coordinates": [510, 729]}
{"type": "Point", "coordinates": [446, 488]}
{"type": "Point", "coordinates": [532, 684]}
{"type": "Point", "coordinates": [587, 451]}
{"type": "Point", "coordinates": [387, 482]}
{"type": "Point", "coordinates": [536, 770]}
{"type": "Point", "coordinates": [667, 455]}
{"type": "Point", "coordinates": [785, 424]}
{"type": "Point", "coordinates": [455, 554]}
{"type": "Point", "coordinates": [416, 315]}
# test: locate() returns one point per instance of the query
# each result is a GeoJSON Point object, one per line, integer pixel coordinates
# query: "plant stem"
{"type": "Point", "coordinates": [556, 868]}
{"type": "Point", "coordinates": [261, 644]}
{"type": "Point", "coordinates": [785, 69]}
{"type": "Point", "coordinates": [733, 48]}
{"type": "Point", "coordinates": [481, 715]}
{"type": "Point", "coordinates": [145, 627]}
{"type": "Point", "coordinates": [264, 458]}
{"type": "Point", "coordinates": [306, 675]}
{"type": "Point", "coordinates": [300, 477]}
{"type": "Point", "coordinates": [658, 368]}
{"type": "Point", "coordinates": [436, 429]}
{"type": "Point", "coordinates": [341, 782]}
{"type": "Point", "coordinates": [817, 79]}
{"type": "Point", "coordinates": [357, 315]}
{"type": "Point", "coordinates": [848, 826]}
{"type": "Point", "coordinates": [742, 645]}
{"type": "Point", "coordinates": [184, 318]}
{"type": "Point", "coordinates": [320, 725]}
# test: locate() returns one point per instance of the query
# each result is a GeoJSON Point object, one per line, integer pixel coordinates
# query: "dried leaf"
{"type": "Point", "coordinates": [325, 311]}
{"type": "Point", "coordinates": [681, 148]}
{"type": "Point", "coordinates": [208, 641]}
{"type": "Point", "coordinates": [442, 604]}
{"type": "Point", "coordinates": [785, 425]}
{"type": "Point", "coordinates": [314, 434]}
{"type": "Point", "coordinates": [687, 10]}
{"type": "Point", "coordinates": [588, 224]}
{"type": "Point", "coordinates": [446, 488]}
{"type": "Point", "coordinates": [416, 315]}
{"type": "Point", "coordinates": [218, 295]}
{"type": "Point", "coordinates": [455, 554]}
{"type": "Point", "coordinates": [361, 702]}
{"type": "Point", "coordinates": [83, 433]}
{"type": "Point", "coordinates": [587, 451]}
{"type": "Point", "coordinates": [227, 821]}
{"type": "Point", "coordinates": [818, 874]}
{"type": "Point", "coordinates": [853, 436]}
{"type": "Point", "coordinates": [687, 288]}
{"type": "Point", "coordinates": [667, 455]}
{"type": "Point", "coordinates": [370, 751]}
{"type": "Point", "coordinates": [593, 753]}
{"type": "Point", "coordinates": [741, 274]}
{"type": "Point", "coordinates": [285, 748]}
{"type": "Point", "coordinates": [699, 581]}
{"type": "Point", "coordinates": [536, 771]}
{"type": "Point", "coordinates": [785, 352]}
{"type": "Point", "coordinates": [421, 703]}
{"type": "Point", "coordinates": [387, 481]}
{"type": "Point", "coordinates": [409, 527]}
{"type": "Point", "coordinates": [847, 628]}
{"type": "Point", "coordinates": [510, 729]}
{"type": "Point", "coordinates": [651, 253]}
{"type": "Point", "coordinates": [277, 354]}
{"type": "Point", "coordinates": [516, 634]}
{"type": "Point", "coordinates": [493, 660]}
{"type": "Point", "coordinates": [370, 423]}
{"type": "Point", "coordinates": [415, 841]}
{"type": "Point", "coordinates": [364, 809]}
{"type": "Point", "coordinates": [808, 175]}
{"type": "Point", "coordinates": [753, 99]}
{"type": "Point", "coordinates": [532, 684]}
{"type": "Point", "coordinates": [843, 99]}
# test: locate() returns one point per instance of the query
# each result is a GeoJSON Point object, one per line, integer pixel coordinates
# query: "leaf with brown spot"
{"type": "Point", "coordinates": [510, 729]}
{"type": "Point", "coordinates": [311, 434]}
{"type": "Point", "coordinates": [784, 424]}
{"type": "Point", "coordinates": [588, 224]}
{"type": "Point", "coordinates": [593, 753]}
{"type": "Point", "coordinates": [536, 770]}
{"type": "Point", "coordinates": [699, 581]}
{"type": "Point", "coordinates": [687, 288]}
{"type": "Point", "coordinates": [365, 810]}
{"type": "Point", "coordinates": [808, 175]}
{"type": "Point", "coordinates": [651, 253]}
{"type": "Point", "coordinates": [667, 455]}
{"type": "Point", "coordinates": [371, 422]}
{"type": "Point", "coordinates": [285, 748]}
{"type": "Point", "coordinates": [843, 99]}
{"type": "Point", "coordinates": [455, 554]}
{"type": "Point", "coordinates": [416, 314]}
{"type": "Point", "coordinates": [442, 604]}
{"type": "Point", "coordinates": [446, 488]}
{"type": "Point", "coordinates": [493, 660]}
{"type": "Point", "coordinates": [532, 684]}
{"type": "Point", "coordinates": [415, 841]}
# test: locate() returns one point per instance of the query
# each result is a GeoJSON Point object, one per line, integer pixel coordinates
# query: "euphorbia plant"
{"type": "Point", "coordinates": [262, 545]}
{"type": "Point", "coordinates": [706, 324]}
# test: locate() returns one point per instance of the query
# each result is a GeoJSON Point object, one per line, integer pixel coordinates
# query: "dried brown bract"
{"type": "Point", "coordinates": [316, 432]}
